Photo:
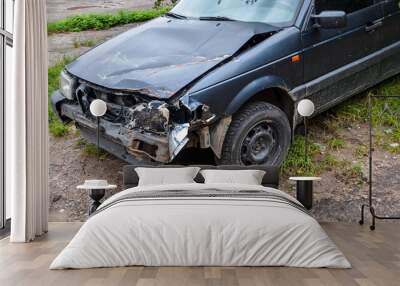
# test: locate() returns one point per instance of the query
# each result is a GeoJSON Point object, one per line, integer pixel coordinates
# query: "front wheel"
{"type": "Point", "coordinates": [258, 135]}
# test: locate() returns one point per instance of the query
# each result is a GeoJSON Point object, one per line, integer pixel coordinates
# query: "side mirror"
{"type": "Point", "coordinates": [330, 20]}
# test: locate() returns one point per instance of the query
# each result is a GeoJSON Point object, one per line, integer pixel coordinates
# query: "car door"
{"type": "Point", "coordinates": [390, 31]}
{"type": "Point", "coordinates": [336, 61]}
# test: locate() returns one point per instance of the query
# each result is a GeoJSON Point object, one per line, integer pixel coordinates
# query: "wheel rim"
{"type": "Point", "coordinates": [259, 144]}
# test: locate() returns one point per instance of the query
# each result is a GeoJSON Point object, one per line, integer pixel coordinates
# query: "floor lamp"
{"type": "Point", "coordinates": [97, 188]}
{"type": "Point", "coordinates": [304, 185]}
{"type": "Point", "coordinates": [98, 108]}
{"type": "Point", "coordinates": [306, 109]}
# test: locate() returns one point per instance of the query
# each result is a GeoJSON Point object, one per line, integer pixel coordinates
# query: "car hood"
{"type": "Point", "coordinates": [163, 56]}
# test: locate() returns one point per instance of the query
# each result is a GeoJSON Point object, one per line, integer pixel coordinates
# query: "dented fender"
{"type": "Point", "coordinates": [255, 87]}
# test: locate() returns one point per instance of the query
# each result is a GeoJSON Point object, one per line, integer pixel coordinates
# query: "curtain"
{"type": "Point", "coordinates": [27, 124]}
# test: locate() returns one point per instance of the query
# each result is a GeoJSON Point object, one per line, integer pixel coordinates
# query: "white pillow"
{"type": "Point", "coordinates": [166, 176]}
{"type": "Point", "coordinates": [243, 177]}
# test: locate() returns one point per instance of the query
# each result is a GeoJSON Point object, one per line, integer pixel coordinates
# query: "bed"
{"type": "Point", "coordinates": [201, 224]}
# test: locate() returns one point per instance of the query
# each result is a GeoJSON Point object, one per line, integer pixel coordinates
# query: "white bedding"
{"type": "Point", "coordinates": [200, 231]}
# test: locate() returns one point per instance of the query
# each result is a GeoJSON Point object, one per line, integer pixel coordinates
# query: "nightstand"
{"type": "Point", "coordinates": [304, 190]}
{"type": "Point", "coordinates": [97, 190]}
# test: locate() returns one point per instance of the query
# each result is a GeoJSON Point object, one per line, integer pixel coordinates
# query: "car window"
{"type": "Point", "coordinates": [274, 12]}
{"type": "Point", "coordinates": [349, 6]}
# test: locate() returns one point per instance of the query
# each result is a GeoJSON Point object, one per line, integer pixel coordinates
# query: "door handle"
{"type": "Point", "coordinates": [373, 26]}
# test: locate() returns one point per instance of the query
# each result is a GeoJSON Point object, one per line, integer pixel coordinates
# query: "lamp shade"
{"type": "Point", "coordinates": [98, 107]}
{"type": "Point", "coordinates": [306, 108]}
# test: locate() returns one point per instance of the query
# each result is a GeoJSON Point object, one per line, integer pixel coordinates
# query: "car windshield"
{"type": "Point", "coordinates": [274, 12]}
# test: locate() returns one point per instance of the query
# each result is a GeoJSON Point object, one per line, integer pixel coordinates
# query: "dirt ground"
{"type": "Point", "coordinates": [68, 169]}
{"type": "Point", "coordinates": [336, 198]}
{"type": "Point", "coordinates": [59, 9]}
{"type": "Point", "coordinates": [68, 44]}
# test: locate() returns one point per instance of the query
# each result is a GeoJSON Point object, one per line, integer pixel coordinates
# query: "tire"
{"type": "Point", "coordinates": [259, 134]}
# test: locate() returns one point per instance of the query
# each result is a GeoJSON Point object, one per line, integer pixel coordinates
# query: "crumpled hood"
{"type": "Point", "coordinates": [164, 55]}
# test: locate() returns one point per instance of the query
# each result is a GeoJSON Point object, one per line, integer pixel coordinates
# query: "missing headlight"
{"type": "Point", "coordinates": [153, 117]}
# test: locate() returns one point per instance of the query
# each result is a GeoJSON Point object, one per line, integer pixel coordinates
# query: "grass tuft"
{"type": "Point", "coordinates": [80, 23]}
{"type": "Point", "coordinates": [90, 150]}
{"type": "Point", "coordinates": [84, 43]}
{"type": "Point", "coordinates": [355, 171]}
{"type": "Point", "coordinates": [361, 151]}
{"type": "Point", "coordinates": [56, 127]}
{"type": "Point", "coordinates": [296, 163]}
{"type": "Point", "coordinates": [336, 143]}
{"type": "Point", "coordinates": [330, 163]}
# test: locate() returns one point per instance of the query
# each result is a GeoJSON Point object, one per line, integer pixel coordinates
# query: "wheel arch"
{"type": "Point", "coordinates": [268, 89]}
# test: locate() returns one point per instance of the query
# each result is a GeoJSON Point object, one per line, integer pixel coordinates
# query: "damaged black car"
{"type": "Point", "coordinates": [226, 75]}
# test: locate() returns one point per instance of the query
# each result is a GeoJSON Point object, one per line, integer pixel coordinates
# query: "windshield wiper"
{"type": "Point", "coordinates": [215, 18]}
{"type": "Point", "coordinates": [176, 16]}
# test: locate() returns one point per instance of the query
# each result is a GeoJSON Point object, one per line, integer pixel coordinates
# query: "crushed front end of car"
{"type": "Point", "coordinates": [150, 111]}
{"type": "Point", "coordinates": [135, 125]}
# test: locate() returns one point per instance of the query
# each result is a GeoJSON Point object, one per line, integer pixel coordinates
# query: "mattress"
{"type": "Point", "coordinates": [201, 225]}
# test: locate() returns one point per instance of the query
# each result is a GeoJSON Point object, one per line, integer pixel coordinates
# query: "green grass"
{"type": "Point", "coordinates": [90, 150]}
{"type": "Point", "coordinates": [361, 151]}
{"type": "Point", "coordinates": [330, 163]}
{"type": "Point", "coordinates": [356, 109]}
{"type": "Point", "coordinates": [336, 143]}
{"type": "Point", "coordinates": [160, 3]}
{"type": "Point", "coordinates": [317, 163]}
{"type": "Point", "coordinates": [296, 163]}
{"type": "Point", "coordinates": [80, 143]}
{"type": "Point", "coordinates": [84, 43]}
{"type": "Point", "coordinates": [350, 114]}
{"type": "Point", "coordinates": [80, 23]}
{"type": "Point", "coordinates": [355, 171]}
{"type": "Point", "coordinates": [56, 127]}
{"type": "Point", "coordinates": [385, 113]}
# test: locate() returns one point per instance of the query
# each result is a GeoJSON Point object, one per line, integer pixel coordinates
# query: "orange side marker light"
{"type": "Point", "coordinates": [296, 59]}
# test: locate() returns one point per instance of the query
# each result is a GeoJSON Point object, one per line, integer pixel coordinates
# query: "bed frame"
{"type": "Point", "coordinates": [271, 178]}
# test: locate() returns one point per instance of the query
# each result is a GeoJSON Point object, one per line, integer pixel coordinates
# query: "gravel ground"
{"type": "Point", "coordinates": [64, 44]}
{"type": "Point", "coordinates": [68, 169]}
{"type": "Point", "coordinates": [59, 9]}
{"type": "Point", "coordinates": [337, 198]}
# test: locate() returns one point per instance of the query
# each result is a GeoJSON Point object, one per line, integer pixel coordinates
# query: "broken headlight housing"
{"type": "Point", "coordinates": [67, 85]}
